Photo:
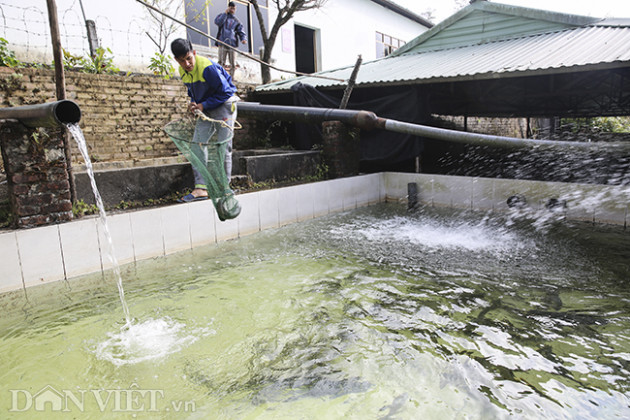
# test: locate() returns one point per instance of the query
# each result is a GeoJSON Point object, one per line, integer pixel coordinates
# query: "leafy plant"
{"type": "Point", "coordinates": [7, 57]}
{"type": "Point", "coordinates": [81, 208]}
{"type": "Point", "coordinates": [70, 60]}
{"type": "Point", "coordinates": [598, 124]}
{"type": "Point", "coordinates": [100, 62]}
{"type": "Point", "coordinates": [161, 65]}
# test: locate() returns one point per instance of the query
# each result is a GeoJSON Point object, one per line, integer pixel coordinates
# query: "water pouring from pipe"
{"type": "Point", "coordinates": [77, 133]}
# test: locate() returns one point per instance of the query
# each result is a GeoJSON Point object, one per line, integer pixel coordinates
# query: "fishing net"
{"type": "Point", "coordinates": [208, 158]}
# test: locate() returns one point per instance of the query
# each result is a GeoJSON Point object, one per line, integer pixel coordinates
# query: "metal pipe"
{"type": "Point", "coordinates": [362, 119]}
{"type": "Point", "coordinates": [50, 114]}
{"type": "Point", "coordinates": [494, 141]}
{"type": "Point", "coordinates": [367, 120]}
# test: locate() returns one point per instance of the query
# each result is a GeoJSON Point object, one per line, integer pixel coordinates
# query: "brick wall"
{"type": "Point", "coordinates": [512, 127]}
{"type": "Point", "coordinates": [122, 116]}
{"type": "Point", "coordinates": [39, 190]}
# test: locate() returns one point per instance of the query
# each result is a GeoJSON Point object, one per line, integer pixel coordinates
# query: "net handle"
{"type": "Point", "coordinates": [201, 115]}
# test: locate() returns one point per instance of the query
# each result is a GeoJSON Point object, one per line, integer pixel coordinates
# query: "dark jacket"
{"type": "Point", "coordinates": [208, 83]}
{"type": "Point", "coordinates": [230, 29]}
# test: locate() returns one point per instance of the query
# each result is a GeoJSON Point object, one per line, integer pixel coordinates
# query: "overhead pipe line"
{"type": "Point", "coordinates": [251, 57]}
{"type": "Point", "coordinates": [368, 120]}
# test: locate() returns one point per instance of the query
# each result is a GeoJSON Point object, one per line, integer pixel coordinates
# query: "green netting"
{"type": "Point", "coordinates": [208, 157]}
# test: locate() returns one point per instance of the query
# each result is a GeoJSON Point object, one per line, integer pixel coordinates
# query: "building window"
{"type": "Point", "coordinates": [200, 14]}
{"type": "Point", "coordinates": [386, 44]}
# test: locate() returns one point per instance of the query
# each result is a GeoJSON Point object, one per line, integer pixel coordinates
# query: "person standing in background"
{"type": "Point", "coordinates": [230, 32]}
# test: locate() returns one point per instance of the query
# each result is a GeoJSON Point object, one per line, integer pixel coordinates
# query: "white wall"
{"type": "Point", "coordinates": [347, 28]}
{"type": "Point", "coordinates": [121, 26]}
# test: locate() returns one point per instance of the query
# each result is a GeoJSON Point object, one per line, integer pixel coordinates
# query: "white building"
{"type": "Point", "coordinates": [315, 40]}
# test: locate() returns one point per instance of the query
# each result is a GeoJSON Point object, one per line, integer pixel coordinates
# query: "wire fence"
{"type": "Point", "coordinates": [27, 30]}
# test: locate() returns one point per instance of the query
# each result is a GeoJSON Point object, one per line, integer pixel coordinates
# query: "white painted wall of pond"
{"type": "Point", "coordinates": [52, 253]}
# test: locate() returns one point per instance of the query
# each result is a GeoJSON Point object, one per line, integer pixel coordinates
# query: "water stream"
{"type": "Point", "coordinates": [78, 136]}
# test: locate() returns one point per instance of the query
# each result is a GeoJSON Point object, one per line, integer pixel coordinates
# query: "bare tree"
{"type": "Point", "coordinates": [286, 10]}
{"type": "Point", "coordinates": [162, 27]}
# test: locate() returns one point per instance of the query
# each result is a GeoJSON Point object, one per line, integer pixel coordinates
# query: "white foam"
{"type": "Point", "coordinates": [466, 235]}
{"type": "Point", "coordinates": [153, 339]}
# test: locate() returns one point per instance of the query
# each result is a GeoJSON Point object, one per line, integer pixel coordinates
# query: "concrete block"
{"type": "Point", "coordinates": [80, 247]}
{"type": "Point", "coordinates": [305, 202]}
{"type": "Point", "coordinates": [334, 196]}
{"type": "Point", "coordinates": [613, 205]}
{"type": "Point", "coordinates": [269, 208]}
{"type": "Point", "coordinates": [203, 219]}
{"type": "Point", "coordinates": [176, 228]}
{"type": "Point", "coordinates": [320, 198]}
{"type": "Point", "coordinates": [146, 230]}
{"type": "Point", "coordinates": [10, 269]}
{"type": "Point", "coordinates": [482, 194]}
{"type": "Point", "coordinates": [348, 188]}
{"type": "Point", "coordinates": [119, 226]}
{"type": "Point", "coordinates": [40, 255]}
{"type": "Point", "coordinates": [368, 189]}
{"type": "Point", "coordinates": [249, 219]}
{"type": "Point", "coordinates": [452, 191]}
{"type": "Point", "coordinates": [287, 205]}
{"type": "Point", "coordinates": [227, 229]}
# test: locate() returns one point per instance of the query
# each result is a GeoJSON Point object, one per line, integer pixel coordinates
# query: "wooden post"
{"type": "Point", "coordinates": [351, 83]}
{"type": "Point", "coordinates": [60, 86]}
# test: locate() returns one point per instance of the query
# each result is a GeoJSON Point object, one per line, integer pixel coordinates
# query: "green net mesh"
{"type": "Point", "coordinates": [208, 158]}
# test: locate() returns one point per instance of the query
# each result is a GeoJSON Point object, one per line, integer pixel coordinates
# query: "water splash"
{"type": "Point", "coordinates": [151, 340]}
{"type": "Point", "coordinates": [77, 133]}
{"type": "Point", "coordinates": [474, 236]}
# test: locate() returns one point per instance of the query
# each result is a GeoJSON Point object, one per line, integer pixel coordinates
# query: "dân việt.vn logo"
{"type": "Point", "coordinates": [132, 400]}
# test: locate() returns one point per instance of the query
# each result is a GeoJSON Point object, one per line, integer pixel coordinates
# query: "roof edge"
{"type": "Point", "coordinates": [486, 6]}
{"type": "Point", "coordinates": [404, 12]}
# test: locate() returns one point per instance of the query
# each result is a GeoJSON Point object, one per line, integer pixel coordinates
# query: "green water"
{"type": "Point", "coordinates": [373, 314]}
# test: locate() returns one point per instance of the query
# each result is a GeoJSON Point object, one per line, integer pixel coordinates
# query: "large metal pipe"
{"type": "Point", "coordinates": [367, 120]}
{"type": "Point", "coordinates": [50, 114]}
{"type": "Point", "coordinates": [362, 119]}
{"type": "Point", "coordinates": [496, 141]}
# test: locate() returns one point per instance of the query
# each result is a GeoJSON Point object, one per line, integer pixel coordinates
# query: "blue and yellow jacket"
{"type": "Point", "coordinates": [208, 83]}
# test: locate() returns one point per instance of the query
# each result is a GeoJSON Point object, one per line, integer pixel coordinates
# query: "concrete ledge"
{"type": "Point", "coordinates": [134, 184]}
{"type": "Point", "coordinates": [279, 166]}
{"type": "Point", "coordinates": [157, 178]}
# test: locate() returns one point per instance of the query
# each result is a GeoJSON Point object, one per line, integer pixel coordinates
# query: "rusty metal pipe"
{"type": "Point", "coordinates": [367, 120]}
{"type": "Point", "coordinates": [363, 119]}
{"type": "Point", "coordinates": [50, 114]}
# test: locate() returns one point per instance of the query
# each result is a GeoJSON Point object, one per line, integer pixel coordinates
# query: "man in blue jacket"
{"type": "Point", "coordinates": [230, 32]}
{"type": "Point", "coordinates": [212, 92]}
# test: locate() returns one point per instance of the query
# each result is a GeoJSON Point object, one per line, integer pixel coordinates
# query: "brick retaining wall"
{"type": "Point", "coordinates": [36, 174]}
{"type": "Point", "coordinates": [122, 116]}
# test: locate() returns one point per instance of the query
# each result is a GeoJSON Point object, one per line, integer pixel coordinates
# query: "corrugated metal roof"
{"type": "Point", "coordinates": [595, 45]}
{"type": "Point", "coordinates": [483, 22]}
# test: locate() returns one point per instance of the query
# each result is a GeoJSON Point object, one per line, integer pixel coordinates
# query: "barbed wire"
{"type": "Point", "coordinates": [26, 28]}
